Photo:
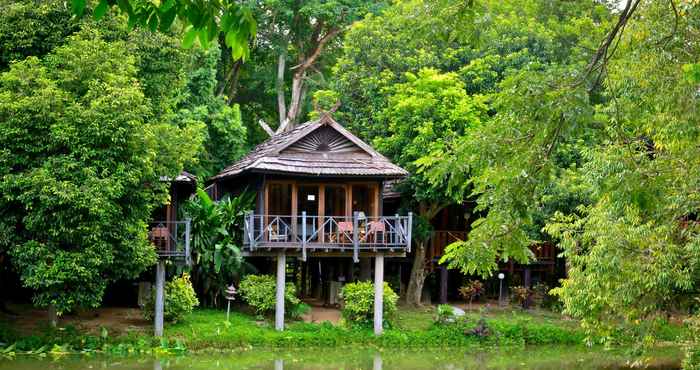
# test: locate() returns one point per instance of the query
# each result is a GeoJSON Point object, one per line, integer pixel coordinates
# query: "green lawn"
{"type": "Point", "coordinates": [411, 327]}
{"type": "Point", "coordinates": [207, 329]}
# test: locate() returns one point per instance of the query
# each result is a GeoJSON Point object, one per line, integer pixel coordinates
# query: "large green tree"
{"type": "Point", "coordinates": [482, 44]}
{"type": "Point", "coordinates": [425, 114]}
{"type": "Point", "coordinates": [86, 133]}
{"type": "Point", "coordinates": [629, 114]}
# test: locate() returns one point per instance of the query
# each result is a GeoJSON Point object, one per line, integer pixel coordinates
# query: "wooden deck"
{"type": "Point", "coordinates": [171, 239]}
{"type": "Point", "coordinates": [331, 236]}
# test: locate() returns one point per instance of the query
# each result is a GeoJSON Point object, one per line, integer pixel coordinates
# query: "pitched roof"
{"type": "Point", "coordinates": [322, 148]}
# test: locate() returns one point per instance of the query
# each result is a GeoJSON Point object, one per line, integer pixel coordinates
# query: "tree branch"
{"type": "Point", "coordinates": [266, 127]}
{"type": "Point", "coordinates": [317, 50]}
{"type": "Point", "coordinates": [281, 105]}
{"type": "Point", "coordinates": [603, 54]}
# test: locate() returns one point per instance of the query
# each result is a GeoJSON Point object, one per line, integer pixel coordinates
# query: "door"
{"type": "Point", "coordinates": [308, 201]}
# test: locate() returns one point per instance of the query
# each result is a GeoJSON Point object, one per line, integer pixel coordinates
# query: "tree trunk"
{"type": "Point", "coordinates": [53, 316]}
{"type": "Point", "coordinates": [281, 104]}
{"type": "Point", "coordinates": [419, 272]}
{"type": "Point", "coordinates": [418, 275]}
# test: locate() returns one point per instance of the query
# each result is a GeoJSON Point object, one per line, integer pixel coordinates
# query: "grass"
{"type": "Point", "coordinates": [207, 329]}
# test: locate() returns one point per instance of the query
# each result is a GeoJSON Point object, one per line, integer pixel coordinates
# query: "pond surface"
{"type": "Point", "coordinates": [450, 358]}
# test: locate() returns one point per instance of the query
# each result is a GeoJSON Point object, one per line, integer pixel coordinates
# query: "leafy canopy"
{"type": "Point", "coordinates": [80, 168]}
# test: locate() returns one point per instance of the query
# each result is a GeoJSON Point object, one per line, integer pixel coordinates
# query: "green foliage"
{"type": "Point", "coordinates": [358, 303]}
{"type": "Point", "coordinates": [445, 314]}
{"type": "Point", "coordinates": [180, 300]}
{"type": "Point", "coordinates": [80, 166]}
{"type": "Point", "coordinates": [203, 21]}
{"type": "Point", "coordinates": [259, 291]}
{"type": "Point", "coordinates": [692, 344]}
{"type": "Point", "coordinates": [217, 234]}
{"type": "Point", "coordinates": [225, 140]}
{"type": "Point", "coordinates": [32, 28]}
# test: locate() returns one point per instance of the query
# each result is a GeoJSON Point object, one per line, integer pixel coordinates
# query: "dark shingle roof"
{"type": "Point", "coordinates": [298, 151]}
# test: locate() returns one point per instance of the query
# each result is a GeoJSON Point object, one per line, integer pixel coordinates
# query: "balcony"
{"type": "Point", "coordinates": [332, 235]}
{"type": "Point", "coordinates": [171, 239]}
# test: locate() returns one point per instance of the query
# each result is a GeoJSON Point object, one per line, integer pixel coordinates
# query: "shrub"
{"type": "Point", "coordinates": [259, 291]}
{"type": "Point", "coordinates": [472, 291]}
{"type": "Point", "coordinates": [445, 314]}
{"type": "Point", "coordinates": [692, 344]}
{"type": "Point", "coordinates": [544, 299]}
{"type": "Point", "coordinates": [180, 300]}
{"type": "Point", "coordinates": [358, 302]}
{"type": "Point", "coordinates": [521, 295]}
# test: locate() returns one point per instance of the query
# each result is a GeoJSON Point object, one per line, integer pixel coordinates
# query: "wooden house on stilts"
{"type": "Point", "coordinates": [319, 194]}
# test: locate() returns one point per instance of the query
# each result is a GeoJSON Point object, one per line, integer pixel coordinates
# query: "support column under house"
{"type": "Point", "coordinates": [378, 294]}
{"type": "Point", "coordinates": [279, 299]}
{"type": "Point", "coordinates": [160, 298]}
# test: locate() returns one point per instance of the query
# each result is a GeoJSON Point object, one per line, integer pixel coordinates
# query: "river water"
{"type": "Point", "coordinates": [448, 359]}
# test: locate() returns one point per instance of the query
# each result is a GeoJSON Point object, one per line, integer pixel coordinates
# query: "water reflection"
{"type": "Point", "coordinates": [543, 358]}
{"type": "Point", "coordinates": [377, 364]}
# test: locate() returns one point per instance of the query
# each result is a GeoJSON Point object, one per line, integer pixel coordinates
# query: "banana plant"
{"type": "Point", "coordinates": [217, 233]}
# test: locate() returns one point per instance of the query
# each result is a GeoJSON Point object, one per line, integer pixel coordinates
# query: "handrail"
{"type": "Point", "coordinates": [171, 238]}
{"type": "Point", "coordinates": [339, 233]}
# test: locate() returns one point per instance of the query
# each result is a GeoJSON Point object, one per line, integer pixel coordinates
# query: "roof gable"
{"type": "Point", "coordinates": [322, 147]}
{"type": "Point", "coordinates": [324, 140]}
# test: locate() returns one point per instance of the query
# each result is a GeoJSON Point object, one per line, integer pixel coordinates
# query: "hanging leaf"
{"type": "Point", "coordinates": [100, 10]}
{"type": "Point", "coordinates": [187, 43]}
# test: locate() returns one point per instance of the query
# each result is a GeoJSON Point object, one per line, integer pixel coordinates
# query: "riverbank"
{"type": "Point", "coordinates": [208, 330]}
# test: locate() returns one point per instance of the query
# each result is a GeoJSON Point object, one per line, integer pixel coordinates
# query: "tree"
{"type": "Point", "coordinates": [511, 37]}
{"type": "Point", "coordinates": [203, 21]}
{"type": "Point", "coordinates": [631, 243]}
{"type": "Point", "coordinates": [32, 28]}
{"type": "Point", "coordinates": [295, 47]}
{"type": "Point", "coordinates": [80, 164]}
{"type": "Point", "coordinates": [225, 140]}
{"type": "Point", "coordinates": [424, 115]}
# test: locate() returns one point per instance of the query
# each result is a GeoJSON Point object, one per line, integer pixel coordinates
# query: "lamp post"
{"type": "Point", "coordinates": [501, 276]}
{"type": "Point", "coordinates": [230, 296]}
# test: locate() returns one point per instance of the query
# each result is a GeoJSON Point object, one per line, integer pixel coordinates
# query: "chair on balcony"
{"type": "Point", "coordinates": [375, 230]}
{"type": "Point", "coordinates": [343, 235]}
{"type": "Point", "coordinates": [274, 234]}
{"type": "Point", "coordinates": [160, 237]}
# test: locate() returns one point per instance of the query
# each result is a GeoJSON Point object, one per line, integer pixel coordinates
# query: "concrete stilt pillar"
{"type": "Point", "coordinates": [160, 298]}
{"type": "Point", "coordinates": [378, 294]}
{"type": "Point", "coordinates": [279, 301]}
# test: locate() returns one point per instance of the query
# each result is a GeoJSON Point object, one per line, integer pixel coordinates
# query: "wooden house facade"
{"type": "Point", "coordinates": [318, 194]}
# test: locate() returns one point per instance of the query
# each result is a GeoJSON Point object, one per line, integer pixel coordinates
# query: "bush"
{"type": "Point", "coordinates": [521, 295]}
{"type": "Point", "coordinates": [445, 314]}
{"type": "Point", "coordinates": [472, 291]}
{"type": "Point", "coordinates": [180, 300]}
{"type": "Point", "coordinates": [544, 299]}
{"type": "Point", "coordinates": [358, 302]}
{"type": "Point", "coordinates": [692, 344]}
{"type": "Point", "coordinates": [259, 291]}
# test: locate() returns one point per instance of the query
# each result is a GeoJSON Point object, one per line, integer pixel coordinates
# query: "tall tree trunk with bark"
{"type": "Point", "coordinates": [419, 271]}
{"type": "Point", "coordinates": [289, 114]}
{"type": "Point", "coordinates": [418, 274]}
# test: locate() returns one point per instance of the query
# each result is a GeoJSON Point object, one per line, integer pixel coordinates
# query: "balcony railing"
{"type": "Point", "coordinates": [328, 233]}
{"type": "Point", "coordinates": [171, 239]}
